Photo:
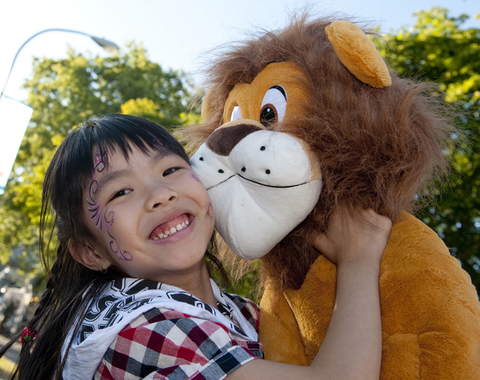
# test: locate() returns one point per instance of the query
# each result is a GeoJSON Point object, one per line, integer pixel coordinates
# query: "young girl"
{"type": "Point", "coordinates": [130, 296]}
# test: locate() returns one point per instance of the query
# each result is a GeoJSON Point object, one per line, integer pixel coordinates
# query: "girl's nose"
{"type": "Point", "coordinates": [160, 196]}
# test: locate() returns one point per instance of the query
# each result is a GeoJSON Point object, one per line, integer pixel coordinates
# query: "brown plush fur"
{"type": "Point", "coordinates": [377, 147]}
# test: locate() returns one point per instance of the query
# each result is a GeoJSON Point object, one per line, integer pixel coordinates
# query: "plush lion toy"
{"type": "Point", "coordinates": [305, 119]}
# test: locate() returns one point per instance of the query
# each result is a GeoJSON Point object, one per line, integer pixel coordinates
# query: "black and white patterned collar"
{"type": "Point", "coordinates": [122, 297]}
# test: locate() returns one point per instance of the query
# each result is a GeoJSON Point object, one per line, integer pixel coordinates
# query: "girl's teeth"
{"type": "Point", "coordinates": [172, 231]}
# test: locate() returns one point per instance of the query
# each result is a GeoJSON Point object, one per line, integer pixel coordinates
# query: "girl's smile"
{"type": "Point", "coordinates": [155, 216]}
{"type": "Point", "coordinates": [166, 229]}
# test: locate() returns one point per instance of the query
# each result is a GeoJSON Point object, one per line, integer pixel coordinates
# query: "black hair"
{"type": "Point", "coordinates": [71, 167]}
{"type": "Point", "coordinates": [71, 285]}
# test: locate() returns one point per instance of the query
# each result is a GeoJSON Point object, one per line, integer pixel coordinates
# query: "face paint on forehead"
{"type": "Point", "coordinates": [100, 162]}
{"type": "Point", "coordinates": [100, 215]}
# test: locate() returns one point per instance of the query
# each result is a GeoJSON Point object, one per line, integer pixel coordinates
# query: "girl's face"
{"type": "Point", "coordinates": [150, 215]}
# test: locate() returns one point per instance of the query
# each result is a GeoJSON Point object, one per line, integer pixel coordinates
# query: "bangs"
{"type": "Point", "coordinates": [118, 133]}
{"type": "Point", "coordinates": [122, 132]}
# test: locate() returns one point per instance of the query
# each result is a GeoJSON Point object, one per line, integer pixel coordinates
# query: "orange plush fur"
{"type": "Point", "coordinates": [377, 146]}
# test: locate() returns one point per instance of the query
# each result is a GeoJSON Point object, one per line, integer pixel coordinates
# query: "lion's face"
{"type": "Point", "coordinates": [320, 96]}
{"type": "Point", "coordinates": [262, 182]}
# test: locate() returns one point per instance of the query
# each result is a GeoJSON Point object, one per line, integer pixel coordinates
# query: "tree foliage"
{"type": "Point", "coordinates": [63, 94]}
{"type": "Point", "coordinates": [439, 50]}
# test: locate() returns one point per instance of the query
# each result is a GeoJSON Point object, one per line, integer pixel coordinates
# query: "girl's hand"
{"type": "Point", "coordinates": [352, 348]}
{"type": "Point", "coordinates": [352, 238]}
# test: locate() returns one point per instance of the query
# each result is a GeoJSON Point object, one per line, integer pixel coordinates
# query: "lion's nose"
{"type": "Point", "coordinates": [224, 138]}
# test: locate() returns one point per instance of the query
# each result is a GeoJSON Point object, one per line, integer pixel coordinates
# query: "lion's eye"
{"type": "Point", "coordinates": [236, 114]}
{"type": "Point", "coordinates": [273, 106]}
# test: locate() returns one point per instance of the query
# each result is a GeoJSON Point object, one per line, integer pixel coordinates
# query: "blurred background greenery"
{"type": "Point", "coordinates": [66, 92]}
{"type": "Point", "coordinates": [439, 50]}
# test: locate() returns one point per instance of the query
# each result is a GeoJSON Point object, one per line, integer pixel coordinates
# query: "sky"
{"type": "Point", "coordinates": [178, 34]}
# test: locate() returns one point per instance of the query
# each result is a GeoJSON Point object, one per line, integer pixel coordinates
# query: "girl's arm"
{"type": "Point", "coordinates": [353, 345]}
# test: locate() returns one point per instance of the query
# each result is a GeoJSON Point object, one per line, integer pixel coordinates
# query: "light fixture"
{"type": "Point", "coordinates": [15, 116]}
{"type": "Point", "coordinates": [108, 46]}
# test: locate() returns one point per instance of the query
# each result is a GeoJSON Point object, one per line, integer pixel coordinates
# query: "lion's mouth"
{"type": "Point", "coordinates": [225, 180]}
{"type": "Point", "coordinates": [257, 183]}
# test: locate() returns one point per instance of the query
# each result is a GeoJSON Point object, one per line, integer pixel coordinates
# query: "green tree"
{"type": "Point", "coordinates": [63, 94]}
{"type": "Point", "coordinates": [438, 49]}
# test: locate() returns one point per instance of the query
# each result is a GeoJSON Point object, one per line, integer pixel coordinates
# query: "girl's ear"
{"type": "Point", "coordinates": [88, 256]}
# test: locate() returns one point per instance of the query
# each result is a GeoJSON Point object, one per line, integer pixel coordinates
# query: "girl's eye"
{"type": "Point", "coordinates": [170, 171]}
{"type": "Point", "coordinates": [120, 193]}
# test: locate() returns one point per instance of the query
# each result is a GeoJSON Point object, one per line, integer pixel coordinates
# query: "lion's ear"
{"type": "Point", "coordinates": [358, 54]}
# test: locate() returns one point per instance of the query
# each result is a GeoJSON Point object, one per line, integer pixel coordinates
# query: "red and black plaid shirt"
{"type": "Point", "coordinates": [166, 344]}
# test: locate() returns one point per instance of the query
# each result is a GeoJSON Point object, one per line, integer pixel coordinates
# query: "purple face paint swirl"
{"type": "Point", "coordinates": [210, 210]}
{"type": "Point", "coordinates": [195, 177]}
{"type": "Point", "coordinates": [99, 163]}
{"type": "Point", "coordinates": [101, 216]}
{"type": "Point", "coordinates": [122, 255]}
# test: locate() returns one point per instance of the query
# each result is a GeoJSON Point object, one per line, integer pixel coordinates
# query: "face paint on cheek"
{"type": "Point", "coordinates": [210, 210]}
{"type": "Point", "coordinates": [94, 209]}
{"type": "Point", "coordinates": [195, 177]}
{"type": "Point", "coordinates": [100, 216]}
{"type": "Point", "coordinates": [115, 248]}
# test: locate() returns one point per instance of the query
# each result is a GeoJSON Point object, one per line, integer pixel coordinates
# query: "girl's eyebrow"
{"type": "Point", "coordinates": [111, 176]}
{"type": "Point", "coordinates": [115, 174]}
